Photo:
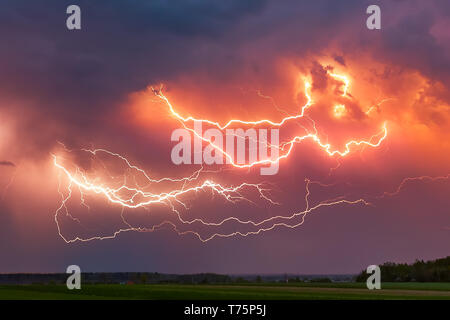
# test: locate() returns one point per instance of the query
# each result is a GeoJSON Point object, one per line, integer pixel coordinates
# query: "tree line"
{"type": "Point", "coordinates": [421, 271]}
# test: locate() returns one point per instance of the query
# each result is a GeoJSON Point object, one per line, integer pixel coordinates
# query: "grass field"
{"type": "Point", "coordinates": [273, 291]}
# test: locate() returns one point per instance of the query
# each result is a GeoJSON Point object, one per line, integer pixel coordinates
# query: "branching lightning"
{"type": "Point", "coordinates": [287, 147]}
{"type": "Point", "coordinates": [129, 194]}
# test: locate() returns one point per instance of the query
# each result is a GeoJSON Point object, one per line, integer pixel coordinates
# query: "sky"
{"type": "Point", "coordinates": [65, 93]}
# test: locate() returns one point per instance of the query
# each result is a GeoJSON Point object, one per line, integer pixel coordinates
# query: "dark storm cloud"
{"type": "Point", "coordinates": [340, 60]}
{"type": "Point", "coordinates": [67, 81]}
{"type": "Point", "coordinates": [63, 82]}
{"type": "Point", "coordinates": [123, 45]}
{"type": "Point", "coordinates": [410, 44]}
{"type": "Point", "coordinates": [74, 78]}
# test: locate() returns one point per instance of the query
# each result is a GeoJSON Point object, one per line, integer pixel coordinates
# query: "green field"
{"type": "Point", "coordinates": [275, 291]}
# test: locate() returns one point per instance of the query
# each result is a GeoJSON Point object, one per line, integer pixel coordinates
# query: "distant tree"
{"type": "Point", "coordinates": [430, 271]}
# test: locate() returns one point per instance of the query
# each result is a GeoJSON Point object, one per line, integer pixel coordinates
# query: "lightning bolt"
{"type": "Point", "coordinates": [129, 195]}
{"type": "Point", "coordinates": [284, 146]}
{"type": "Point", "coordinates": [407, 180]}
{"type": "Point", "coordinates": [80, 180]}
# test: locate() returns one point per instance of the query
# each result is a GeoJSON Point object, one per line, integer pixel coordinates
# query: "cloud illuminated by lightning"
{"type": "Point", "coordinates": [287, 147]}
{"type": "Point", "coordinates": [127, 195]}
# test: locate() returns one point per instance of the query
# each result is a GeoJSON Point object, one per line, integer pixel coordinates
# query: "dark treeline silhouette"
{"type": "Point", "coordinates": [163, 278]}
{"type": "Point", "coordinates": [421, 271]}
{"type": "Point", "coordinates": [114, 278]}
